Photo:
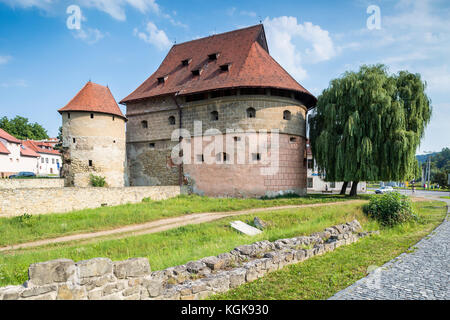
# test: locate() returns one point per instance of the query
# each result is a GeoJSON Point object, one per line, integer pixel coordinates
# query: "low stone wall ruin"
{"type": "Point", "coordinates": [16, 202]}
{"type": "Point", "coordinates": [31, 183]}
{"type": "Point", "coordinates": [102, 279]}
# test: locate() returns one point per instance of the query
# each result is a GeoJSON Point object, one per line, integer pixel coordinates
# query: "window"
{"type": "Point", "coordinates": [144, 124]}
{"type": "Point", "coordinates": [292, 139]}
{"type": "Point", "coordinates": [196, 97]}
{"type": "Point", "coordinates": [162, 79]}
{"type": "Point", "coordinates": [200, 158]}
{"type": "Point", "coordinates": [92, 116]}
{"type": "Point", "coordinates": [256, 156]}
{"type": "Point", "coordinates": [225, 67]}
{"type": "Point", "coordinates": [280, 93]}
{"type": "Point", "coordinates": [152, 145]}
{"type": "Point", "coordinates": [46, 160]}
{"type": "Point", "coordinates": [214, 116]}
{"type": "Point", "coordinates": [253, 91]}
{"type": "Point", "coordinates": [90, 163]}
{"type": "Point", "coordinates": [42, 160]}
{"type": "Point", "coordinates": [213, 56]}
{"type": "Point", "coordinates": [251, 113]}
{"type": "Point", "coordinates": [114, 118]}
{"type": "Point", "coordinates": [68, 115]}
{"type": "Point", "coordinates": [223, 93]}
{"type": "Point", "coordinates": [310, 182]}
{"type": "Point", "coordinates": [221, 157]}
{"type": "Point", "coordinates": [186, 62]}
{"type": "Point", "coordinates": [310, 163]}
{"type": "Point", "coordinates": [196, 72]}
{"type": "Point", "coordinates": [286, 115]}
{"type": "Point", "coordinates": [332, 185]}
{"type": "Point", "coordinates": [237, 139]}
{"type": "Point", "coordinates": [74, 140]}
{"type": "Point", "coordinates": [53, 161]}
{"type": "Point", "coordinates": [114, 141]}
{"type": "Point", "coordinates": [172, 120]}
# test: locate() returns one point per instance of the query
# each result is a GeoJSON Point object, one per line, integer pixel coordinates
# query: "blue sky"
{"type": "Point", "coordinates": [43, 63]}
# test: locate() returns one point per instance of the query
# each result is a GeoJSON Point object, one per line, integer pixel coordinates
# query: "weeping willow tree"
{"type": "Point", "coordinates": [367, 126]}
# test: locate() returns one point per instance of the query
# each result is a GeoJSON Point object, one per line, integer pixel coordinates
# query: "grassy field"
{"type": "Point", "coordinates": [445, 197]}
{"type": "Point", "coordinates": [321, 277]}
{"type": "Point", "coordinates": [28, 228]}
{"type": "Point", "coordinates": [178, 246]}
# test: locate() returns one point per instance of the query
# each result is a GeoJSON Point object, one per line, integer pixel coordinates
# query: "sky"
{"type": "Point", "coordinates": [50, 48]}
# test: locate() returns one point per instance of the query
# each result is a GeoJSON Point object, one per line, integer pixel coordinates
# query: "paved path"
{"type": "Point", "coordinates": [423, 274]}
{"type": "Point", "coordinates": [164, 224]}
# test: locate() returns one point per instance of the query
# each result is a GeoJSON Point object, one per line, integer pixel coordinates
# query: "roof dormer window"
{"type": "Point", "coordinates": [213, 56]}
{"type": "Point", "coordinates": [196, 72]}
{"type": "Point", "coordinates": [225, 67]}
{"type": "Point", "coordinates": [162, 80]}
{"type": "Point", "coordinates": [186, 62]}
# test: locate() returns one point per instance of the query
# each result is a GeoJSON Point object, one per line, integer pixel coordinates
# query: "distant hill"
{"type": "Point", "coordinates": [423, 157]}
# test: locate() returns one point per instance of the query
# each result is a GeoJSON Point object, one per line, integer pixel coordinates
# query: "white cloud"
{"type": "Point", "coordinates": [115, 8]}
{"type": "Point", "coordinates": [15, 83]}
{"type": "Point", "coordinates": [88, 35]}
{"type": "Point", "coordinates": [42, 4]}
{"type": "Point", "coordinates": [283, 34]}
{"type": "Point", "coordinates": [5, 59]}
{"type": "Point", "coordinates": [154, 36]}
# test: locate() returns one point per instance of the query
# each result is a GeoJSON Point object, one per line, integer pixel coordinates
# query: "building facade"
{"type": "Point", "coordinates": [222, 117]}
{"type": "Point", "coordinates": [93, 130]}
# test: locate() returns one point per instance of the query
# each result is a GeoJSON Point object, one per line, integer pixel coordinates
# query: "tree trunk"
{"type": "Point", "coordinates": [344, 188]}
{"type": "Point", "coordinates": [354, 190]}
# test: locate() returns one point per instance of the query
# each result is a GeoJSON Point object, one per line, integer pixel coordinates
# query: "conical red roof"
{"type": "Point", "coordinates": [245, 51]}
{"type": "Point", "coordinates": [94, 98]}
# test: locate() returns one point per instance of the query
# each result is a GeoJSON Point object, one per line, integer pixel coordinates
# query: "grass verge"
{"type": "Point", "coordinates": [28, 228]}
{"type": "Point", "coordinates": [321, 277]}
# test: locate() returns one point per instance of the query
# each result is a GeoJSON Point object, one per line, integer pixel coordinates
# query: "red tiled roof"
{"type": "Point", "coordinates": [26, 151]}
{"type": "Point", "coordinates": [33, 145]}
{"type": "Point", "coordinates": [94, 98]}
{"type": "Point", "coordinates": [5, 135]}
{"type": "Point", "coordinates": [3, 149]}
{"type": "Point", "coordinates": [246, 52]}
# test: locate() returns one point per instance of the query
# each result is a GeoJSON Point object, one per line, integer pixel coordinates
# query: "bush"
{"type": "Point", "coordinates": [98, 181]}
{"type": "Point", "coordinates": [390, 209]}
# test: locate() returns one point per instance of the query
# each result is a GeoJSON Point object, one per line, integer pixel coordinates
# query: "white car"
{"type": "Point", "coordinates": [384, 190]}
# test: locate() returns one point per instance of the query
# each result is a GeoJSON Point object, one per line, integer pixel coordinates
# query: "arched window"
{"type": "Point", "coordinates": [251, 113]}
{"type": "Point", "coordinates": [214, 116]}
{"type": "Point", "coordinates": [287, 115]}
{"type": "Point", "coordinates": [172, 120]}
{"type": "Point", "coordinates": [144, 124]}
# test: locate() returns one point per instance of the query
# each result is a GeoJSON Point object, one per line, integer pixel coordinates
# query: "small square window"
{"type": "Point", "coordinates": [152, 145]}
{"type": "Point", "coordinates": [256, 156]}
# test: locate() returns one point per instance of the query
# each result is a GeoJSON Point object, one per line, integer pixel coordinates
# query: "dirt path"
{"type": "Point", "coordinates": [164, 224]}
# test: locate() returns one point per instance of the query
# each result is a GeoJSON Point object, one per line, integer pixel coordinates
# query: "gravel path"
{"type": "Point", "coordinates": [423, 274]}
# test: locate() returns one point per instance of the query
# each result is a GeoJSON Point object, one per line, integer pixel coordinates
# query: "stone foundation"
{"type": "Point", "coordinates": [31, 183]}
{"type": "Point", "coordinates": [102, 279]}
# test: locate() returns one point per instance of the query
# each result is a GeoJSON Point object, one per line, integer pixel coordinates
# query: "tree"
{"type": "Point", "coordinates": [368, 124]}
{"type": "Point", "coordinates": [20, 128]}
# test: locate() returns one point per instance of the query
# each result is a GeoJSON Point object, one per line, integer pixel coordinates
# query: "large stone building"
{"type": "Point", "coordinates": [227, 82]}
{"type": "Point", "coordinates": [93, 130]}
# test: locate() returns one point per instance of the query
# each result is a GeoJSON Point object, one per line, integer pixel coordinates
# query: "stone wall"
{"type": "Point", "coordinates": [15, 202]}
{"type": "Point", "coordinates": [30, 183]}
{"type": "Point", "coordinates": [102, 279]}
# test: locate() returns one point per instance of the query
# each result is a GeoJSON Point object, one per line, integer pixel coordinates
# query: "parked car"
{"type": "Point", "coordinates": [384, 190]}
{"type": "Point", "coordinates": [23, 174]}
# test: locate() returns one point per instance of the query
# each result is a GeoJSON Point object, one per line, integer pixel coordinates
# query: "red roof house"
{"type": "Point", "coordinates": [3, 149]}
{"type": "Point", "coordinates": [236, 59]}
{"type": "Point", "coordinates": [93, 98]}
{"type": "Point", "coordinates": [5, 135]}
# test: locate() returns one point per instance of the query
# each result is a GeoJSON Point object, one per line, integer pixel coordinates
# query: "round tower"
{"type": "Point", "coordinates": [93, 131]}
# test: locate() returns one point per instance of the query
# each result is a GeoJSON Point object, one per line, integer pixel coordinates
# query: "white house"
{"type": "Point", "coordinates": [32, 156]}
{"type": "Point", "coordinates": [316, 183]}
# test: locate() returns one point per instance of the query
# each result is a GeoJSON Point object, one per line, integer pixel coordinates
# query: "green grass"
{"type": "Point", "coordinates": [28, 228]}
{"type": "Point", "coordinates": [445, 197]}
{"type": "Point", "coordinates": [178, 246]}
{"type": "Point", "coordinates": [321, 277]}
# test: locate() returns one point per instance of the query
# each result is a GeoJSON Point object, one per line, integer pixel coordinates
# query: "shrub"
{"type": "Point", "coordinates": [97, 181]}
{"type": "Point", "coordinates": [390, 209]}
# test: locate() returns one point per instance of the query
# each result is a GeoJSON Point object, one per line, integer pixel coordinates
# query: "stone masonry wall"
{"type": "Point", "coordinates": [31, 183]}
{"type": "Point", "coordinates": [16, 202]}
{"type": "Point", "coordinates": [102, 279]}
